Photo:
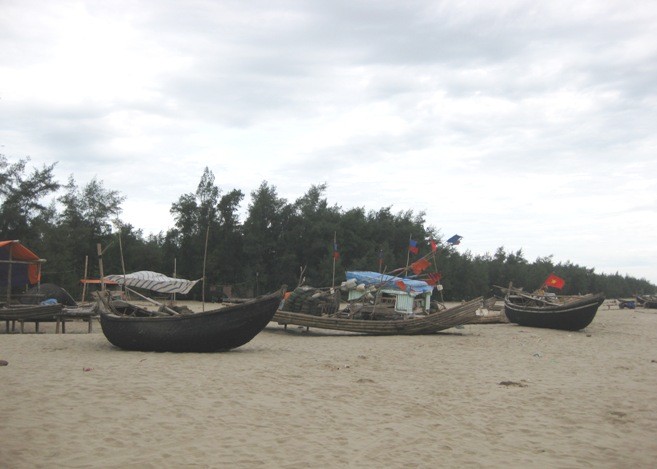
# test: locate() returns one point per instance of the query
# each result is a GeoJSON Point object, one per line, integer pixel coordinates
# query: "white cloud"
{"type": "Point", "coordinates": [514, 123]}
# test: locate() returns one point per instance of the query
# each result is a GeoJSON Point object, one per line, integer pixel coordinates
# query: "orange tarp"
{"type": "Point", "coordinates": [96, 281]}
{"type": "Point", "coordinates": [22, 254]}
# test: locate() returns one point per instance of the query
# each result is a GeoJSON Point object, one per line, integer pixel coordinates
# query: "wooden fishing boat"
{"type": "Point", "coordinates": [647, 301]}
{"type": "Point", "coordinates": [553, 312]}
{"type": "Point", "coordinates": [424, 324]}
{"type": "Point", "coordinates": [132, 328]}
{"type": "Point", "coordinates": [30, 313]}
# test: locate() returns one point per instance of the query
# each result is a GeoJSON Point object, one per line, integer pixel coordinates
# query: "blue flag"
{"type": "Point", "coordinates": [456, 239]}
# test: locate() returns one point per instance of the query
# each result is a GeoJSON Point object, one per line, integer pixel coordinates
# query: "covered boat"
{"type": "Point", "coordinates": [379, 304]}
{"type": "Point", "coordinates": [567, 313]}
{"type": "Point", "coordinates": [132, 328]}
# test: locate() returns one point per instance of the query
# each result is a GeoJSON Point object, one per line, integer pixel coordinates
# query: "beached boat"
{"type": "Point", "coordinates": [378, 304]}
{"type": "Point", "coordinates": [416, 325]}
{"type": "Point", "coordinates": [30, 313]}
{"type": "Point", "coordinates": [133, 328]}
{"type": "Point", "coordinates": [647, 301]}
{"type": "Point", "coordinates": [553, 312]}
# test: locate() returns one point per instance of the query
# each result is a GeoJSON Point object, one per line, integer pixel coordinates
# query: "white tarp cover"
{"type": "Point", "coordinates": [154, 281]}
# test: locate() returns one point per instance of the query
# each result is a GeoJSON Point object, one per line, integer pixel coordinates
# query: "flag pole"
{"type": "Point", "coordinates": [408, 251]}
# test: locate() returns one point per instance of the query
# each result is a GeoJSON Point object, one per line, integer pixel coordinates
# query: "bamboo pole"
{"type": "Point", "coordinates": [121, 253]}
{"type": "Point", "coordinates": [175, 273]}
{"type": "Point", "coordinates": [335, 245]}
{"type": "Point", "coordinates": [122, 262]}
{"type": "Point", "coordinates": [150, 300]}
{"type": "Point", "coordinates": [408, 250]}
{"type": "Point", "coordinates": [435, 266]}
{"type": "Point", "coordinates": [84, 284]}
{"type": "Point", "coordinates": [205, 255]}
{"type": "Point", "coordinates": [9, 272]}
{"type": "Point", "coordinates": [100, 268]}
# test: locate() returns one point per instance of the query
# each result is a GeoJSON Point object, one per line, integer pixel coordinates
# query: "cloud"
{"type": "Point", "coordinates": [514, 123]}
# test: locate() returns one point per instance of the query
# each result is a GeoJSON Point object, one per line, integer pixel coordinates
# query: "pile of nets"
{"type": "Point", "coordinates": [310, 300]}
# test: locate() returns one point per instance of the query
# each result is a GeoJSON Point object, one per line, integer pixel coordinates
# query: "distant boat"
{"type": "Point", "coordinates": [647, 301]}
{"type": "Point", "coordinates": [130, 327]}
{"type": "Point", "coordinates": [552, 312]}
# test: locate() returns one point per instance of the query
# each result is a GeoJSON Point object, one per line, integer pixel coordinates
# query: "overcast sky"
{"type": "Point", "coordinates": [523, 124]}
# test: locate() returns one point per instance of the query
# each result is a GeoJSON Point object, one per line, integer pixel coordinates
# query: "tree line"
{"type": "Point", "coordinates": [278, 242]}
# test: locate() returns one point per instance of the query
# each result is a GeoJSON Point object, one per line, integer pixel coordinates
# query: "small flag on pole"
{"type": "Point", "coordinates": [419, 265]}
{"type": "Point", "coordinates": [454, 240]}
{"type": "Point", "coordinates": [554, 281]}
{"type": "Point", "coordinates": [433, 278]}
{"type": "Point", "coordinates": [412, 246]}
{"type": "Point", "coordinates": [434, 246]}
{"type": "Point", "coordinates": [336, 253]}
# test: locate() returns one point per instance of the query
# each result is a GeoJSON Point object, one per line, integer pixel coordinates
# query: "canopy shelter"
{"type": "Point", "coordinates": [154, 281]}
{"type": "Point", "coordinates": [91, 283]}
{"type": "Point", "coordinates": [405, 291]}
{"type": "Point", "coordinates": [18, 266]}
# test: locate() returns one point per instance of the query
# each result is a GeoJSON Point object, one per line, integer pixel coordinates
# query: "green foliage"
{"type": "Point", "coordinates": [22, 206]}
{"type": "Point", "coordinates": [278, 243]}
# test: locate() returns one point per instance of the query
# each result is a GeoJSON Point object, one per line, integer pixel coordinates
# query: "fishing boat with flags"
{"type": "Point", "coordinates": [396, 303]}
{"type": "Point", "coordinates": [377, 305]}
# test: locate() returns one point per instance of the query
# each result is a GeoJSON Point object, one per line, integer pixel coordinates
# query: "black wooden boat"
{"type": "Point", "coordinates": [566, 313]}
{"type": "Point", "coordinates": [132, 328]}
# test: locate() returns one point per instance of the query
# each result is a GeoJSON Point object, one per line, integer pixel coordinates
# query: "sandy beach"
{"type": "Point", "coordinates": [495, 395]}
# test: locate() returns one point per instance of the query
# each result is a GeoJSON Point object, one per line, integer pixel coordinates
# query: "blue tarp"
{"type": "Point", "coordinates": [389, 282]}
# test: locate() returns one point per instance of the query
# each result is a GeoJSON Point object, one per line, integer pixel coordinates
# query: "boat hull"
{"type": "Point", "coordinates": [430, 324]}
{"type": "Point", "coordinates": [210, 331]}
{"type": "Point", "coordinates": [31, 312]}
{"type": "Point", "coordinates": [572, 316]}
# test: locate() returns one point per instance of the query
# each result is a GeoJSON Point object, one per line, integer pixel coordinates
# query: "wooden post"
{"type": "Point", "coordinates": [9, 274]}
{"type": "Point", "coordinates": [175, 273]}
{"type": "Point", "coordinates": [205, 255]}
{"type": "Point", "coordinates": [121, 252]}
{"type": "Point", "coordinates": [335, 250]}
{"type": "Point", "coordinates": [84, 284]}
{"type": "Point", "coordinates": [100, 268]}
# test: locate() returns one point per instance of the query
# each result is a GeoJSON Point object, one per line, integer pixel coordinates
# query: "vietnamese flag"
{"type": "Point", "coordinates": [434, 246]}
{"type": "Point", "coordinates": [419, 265]}
{"type": "Point", "coordinates": [434, 278]}
{"type": "Point", "coordinates": [401, 285]}
{"type": "Point", "coordinates": [554, 281]}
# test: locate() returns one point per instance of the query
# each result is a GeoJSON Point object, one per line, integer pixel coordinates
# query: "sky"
{"type": "Point", "coordinates": [516, 124]}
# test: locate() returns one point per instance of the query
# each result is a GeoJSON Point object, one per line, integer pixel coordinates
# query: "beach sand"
{"type": "Point", "coordinates": [495, 395]}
